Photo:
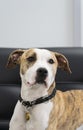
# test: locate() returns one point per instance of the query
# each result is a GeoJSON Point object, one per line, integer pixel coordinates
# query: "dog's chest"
{"type": "Point", "coordinates": [39, 117]}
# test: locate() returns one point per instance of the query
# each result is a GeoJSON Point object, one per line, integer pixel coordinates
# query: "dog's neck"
{"type": "Point", "coordinates": [33, 92]}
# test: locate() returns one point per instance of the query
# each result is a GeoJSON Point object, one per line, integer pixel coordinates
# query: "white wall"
{"type": "Point", "coordinates": [77, 22]}
{"type": "Point", "coordinates": [31, 23]}
{"type": "Point", "coordinates": [82, 23]}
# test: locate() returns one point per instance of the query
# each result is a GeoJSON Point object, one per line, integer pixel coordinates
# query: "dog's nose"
{"type": "Point", "coordinates": [42, 73]}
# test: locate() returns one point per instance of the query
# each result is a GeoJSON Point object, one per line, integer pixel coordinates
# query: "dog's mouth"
{"type": "Point", "coordinates": [40, 82]}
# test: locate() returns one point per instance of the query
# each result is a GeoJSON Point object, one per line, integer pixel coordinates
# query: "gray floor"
{"type": "Point", "coordinates": [80, 128]}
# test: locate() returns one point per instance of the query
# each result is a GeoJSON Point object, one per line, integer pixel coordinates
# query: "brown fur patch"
{"type": "Point", "coordinates": [67, 112]}
{"type": "Point", "coordinates": [63, 62]}
{"type": "Point", "coordinates": [25, 64]}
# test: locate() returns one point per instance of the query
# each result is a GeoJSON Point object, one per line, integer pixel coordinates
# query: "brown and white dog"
{"type": "Point", "coordinates": [38, 68]}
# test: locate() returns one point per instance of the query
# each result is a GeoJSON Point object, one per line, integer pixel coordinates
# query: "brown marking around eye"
{"type": "Point", "coordinates": [25, 64]}
{"type": "Point", "coordinates": [31, 58]}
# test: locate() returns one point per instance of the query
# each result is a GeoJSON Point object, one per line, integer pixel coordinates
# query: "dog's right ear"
{"type": "Point", "coordinates": [63, 62]}
{"type": "Point", "coordinates": [14, 58]}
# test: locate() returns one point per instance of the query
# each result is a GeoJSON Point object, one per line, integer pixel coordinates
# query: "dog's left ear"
{"type": "Point", "coordinates": [63, 62]}
{"type": "Point", "coordinates": [14, 58]}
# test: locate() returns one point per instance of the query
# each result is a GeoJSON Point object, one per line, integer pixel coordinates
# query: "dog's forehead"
{"type": "Point", "coordinates": [43, 53]}
{"type": "Point", "coordinates": [38, 53]}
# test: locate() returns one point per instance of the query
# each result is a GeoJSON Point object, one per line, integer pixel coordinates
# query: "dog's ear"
{"type": "Point", "coordinates": [14, 58]}
{"type": "Point", "coordinates": [63, 62]}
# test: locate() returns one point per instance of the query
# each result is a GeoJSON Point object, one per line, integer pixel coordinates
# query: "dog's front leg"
{"type": "Point", "coordinates": [18, 119]}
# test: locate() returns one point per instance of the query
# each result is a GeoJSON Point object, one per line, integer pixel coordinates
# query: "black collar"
{"type": "Point", "coordinates": [39, 100]}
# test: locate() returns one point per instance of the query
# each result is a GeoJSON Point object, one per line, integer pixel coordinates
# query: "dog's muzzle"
{"type": "Point", "coordinates": [42, 73]}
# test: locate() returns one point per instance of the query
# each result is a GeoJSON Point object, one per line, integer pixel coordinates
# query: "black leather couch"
{"type": "Point", "coordinates": [10, 80]}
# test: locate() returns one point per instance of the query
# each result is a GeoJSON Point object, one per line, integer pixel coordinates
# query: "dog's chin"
{"type": "Point", "coordinates": [37, 83]}
{"type": "Point", "coordinates": [42, 83]}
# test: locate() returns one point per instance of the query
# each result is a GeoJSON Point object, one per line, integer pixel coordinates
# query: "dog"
{"type": "Point", "coordinates": [40, 105]}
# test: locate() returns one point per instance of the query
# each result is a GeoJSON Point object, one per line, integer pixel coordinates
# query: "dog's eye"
{"type": "Point", "coordinates": [31, 58]}
{"type": "Point", "coordinates": [51, 61]}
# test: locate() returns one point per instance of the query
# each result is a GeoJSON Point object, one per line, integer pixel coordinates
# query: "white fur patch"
{"type": "Point", "coordinates": [39, 117]}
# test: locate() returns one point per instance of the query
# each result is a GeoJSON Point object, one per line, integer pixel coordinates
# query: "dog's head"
{"type": "Point", "coordinates": [38, 66]}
